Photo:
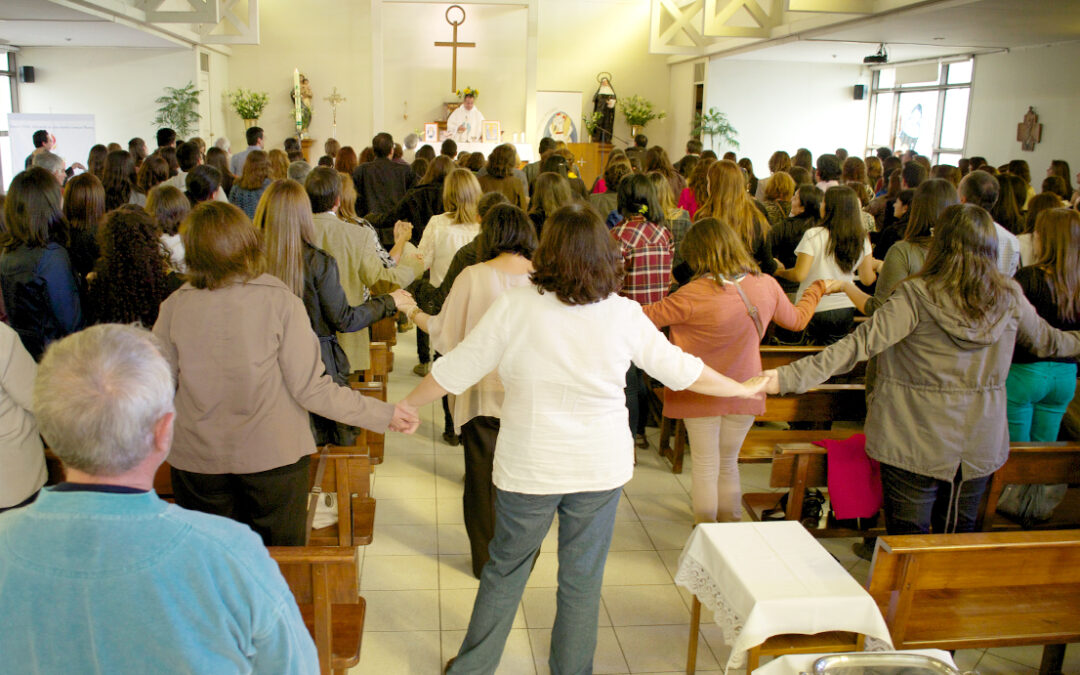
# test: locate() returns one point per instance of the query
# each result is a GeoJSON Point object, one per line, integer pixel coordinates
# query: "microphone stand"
{"type": "Point", "coordinates": [609, 132]}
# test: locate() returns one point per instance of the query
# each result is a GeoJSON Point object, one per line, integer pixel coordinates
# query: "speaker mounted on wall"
{"type": "Point", "coordinates": [860, 92]}
{"type": "Point", "coordinates": [26, 74]}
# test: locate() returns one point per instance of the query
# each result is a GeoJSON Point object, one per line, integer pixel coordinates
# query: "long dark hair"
{"type": "Point", "coordinates": [637, 197]}
{"type": "Point", "coordinates": [1058, 232]}
{"type": "Point", "coordinates": [130, 280]}
{"type": "Point", "coordinates": [962, 263]}
{"type": "Point", "coordinates": [842, 220]}
{"type": "Point", "coordinates": [929, 200]}
{"type": "Point", "coordinates": [1008, 209]}
{"type": "Point", "coordinates": [577, 258]}
{"type": "Point", "coordinates": [506, 229]}
{"type": "Point", "coordinates": [32, 211]}
{"type": "Point", "coordinates": [810, 197]}
{"type": "Point", "coordinates": [118, 179]}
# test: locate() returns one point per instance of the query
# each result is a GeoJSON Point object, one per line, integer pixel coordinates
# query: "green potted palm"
{"type": "Point", "coordinates": [638, 112]}
{"type": "Point", "coordinates": [248, 105]}
{"type": "Point", "coordinates": [178, 110]}
{"type": "Point", "coordinates": [715, 123]}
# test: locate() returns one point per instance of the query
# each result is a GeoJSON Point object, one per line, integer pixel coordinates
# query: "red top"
{"type": "Point", "coordinates": [711, 322]}
{"type": "Point", "coordinates": [646, 251]}
{"type": "Point", "coordinates": [599, 187]}
{"type": "Point", "coordinates": [687, 202]}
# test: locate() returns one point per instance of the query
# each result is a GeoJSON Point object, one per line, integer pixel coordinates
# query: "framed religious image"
{"type": "Point", "coordinates": [431, 133]}
{"type": "Point", "coordinates": [492, 132]}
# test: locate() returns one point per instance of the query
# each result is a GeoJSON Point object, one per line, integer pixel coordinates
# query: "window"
{"type": "Point", "coordinates": [912, 109]}
{"type": "Point", "coordinates": [7, 105]}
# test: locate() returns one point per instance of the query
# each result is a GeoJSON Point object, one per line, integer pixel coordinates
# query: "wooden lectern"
{"type": "Point", "coordinates": [591, 160]}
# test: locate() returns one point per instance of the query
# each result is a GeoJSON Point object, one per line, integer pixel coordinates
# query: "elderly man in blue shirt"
{"type": "Point", "coordinates": [101, 575]}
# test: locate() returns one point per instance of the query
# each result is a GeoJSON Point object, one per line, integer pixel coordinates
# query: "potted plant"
{"type": "Point", "coordinates": [715, 123]}
{"type": "Point", "coordinates": [248, 105]}
{"type": "Point", "coordinates": [638, 112]}
{"type": "Point", "coordinates": [179, 109]}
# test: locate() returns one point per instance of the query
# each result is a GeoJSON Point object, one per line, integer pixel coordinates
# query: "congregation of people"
{"type": "Point", "coordinates": [207, 309]}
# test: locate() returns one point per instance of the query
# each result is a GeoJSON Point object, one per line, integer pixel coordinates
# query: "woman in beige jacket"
{"type": "Point", "coordinates": [248, 372]}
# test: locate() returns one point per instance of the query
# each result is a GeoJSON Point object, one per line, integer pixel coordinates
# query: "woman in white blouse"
{"type": "Point", "coordinates": [561, 348]}
{"type": "Point", "coordinates": [507, 242]}
{"type": "Point", "coordinates": [458, 225]}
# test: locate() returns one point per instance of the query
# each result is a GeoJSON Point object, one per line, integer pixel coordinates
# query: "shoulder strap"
{"type": "Point", "coordinates": [750, 309]}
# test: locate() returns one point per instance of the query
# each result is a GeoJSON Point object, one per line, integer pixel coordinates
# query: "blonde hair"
{"type": "Point", "coordinates": [461, 196]}
{"type": "Point", "coordinates": [729, 201]}
{"type": "Point", "coordinates": [779, 187]}
{"type": "Point", "coordinates": [714, 249]}
{"type": "Point", "coordinates": [283, 217]}
{"type": "Point", "coordinates": [665, 195]}
{"type": "Point", "coordinates": [347, 208]}
{"type": "Point", "coordinates": [279, 164]}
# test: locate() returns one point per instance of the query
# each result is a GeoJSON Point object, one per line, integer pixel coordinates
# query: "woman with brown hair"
{"type": "Point", "coordinates": [1060, 168]}
{"type": "Point", "coordinates": [1008, 210]}
{"type": "Point", "coordinates": [1037, 205]}
{"type": "Point", "coordinates": [285, 221]}
{"type": "Point", "coordinates": [119, 181]}
{"type": "Point", "coordinates": [169, 207]}
{"type": "Point", "coordinates": [424, 200]}
{"type": "Point", "coordinates": [551, 192]}
{"type": "Point", "coordinates": [131, 278]}
{"type": "Point", "coordinates": [154, 170]}
{"type": "Point", "coordinates": [249, 371]}
{"type": "Point", "coordinates": [751, 180]}
{"type": "Point", "coordinates": [779, 190]}
{"type": "Point", "coordinates": [345, 160]}
{"type": "Point", "coordinates": [608, 200]}
{"type": "Point", "coordinates": [676, 220]}
{"type": "Point", "coordinates": [944, 344]}
{"type": "Point", "coordinates": [347, 212]}
{"type": "Point", "coordinates": [564, 445]}
{"type": "Point", "coordinates": [366, 155]}
{"type": "Point", "coordinates": [169, 155]}
{"type": "Point", "coordinates": [838, 249]}
{"type": "Point", "coordinates": [656, 159]}
{"type": "Point", "coordinates": [279, 164]}
{"type": "Point", "coordinates": [729, 201]}
{"type": "Point", "coordinates": [253, 181]}
{"type": "Point", "coordinates": [84, 205]}
{"type": "Point", "coordinates": [778, 161]}
{"type": "Point", "coordinates": [500, 176]}
{"type": "Point", "coordinates": [805, 159]}
{"type": "Point", "coordinates": [95, 161]}
{"type": "Point", "coordinates": [219, 159]}
{"type": "Point", "coordinates": [697, 189]}
{"type": "Point", "coordinates": [709, 319]}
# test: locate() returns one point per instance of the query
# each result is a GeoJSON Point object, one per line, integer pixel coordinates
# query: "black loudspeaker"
{"type": "Point", "coordinates": [26, 74]}
{"type": "Point", "coordinates": [860, 92]}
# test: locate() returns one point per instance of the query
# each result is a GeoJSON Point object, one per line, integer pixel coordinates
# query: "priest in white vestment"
{"type": "Point", "coordinates": [466, 124]}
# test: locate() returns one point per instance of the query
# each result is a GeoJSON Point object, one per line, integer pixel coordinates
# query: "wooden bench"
{"type": "Point", "coordinates": [347, 473]}
{"type": "Point", "coordinates": [773, 356]}
{"type": "Point", "coordinates": [802, 466]}
{"type": "Point", "coordinates": [373, 382]}
{"type": "Point", "coordinates": [324, 582]}
{"type": "Point", "coordinates": [821, 406]}
{"type": "Point", "coordinates": [980, 590]}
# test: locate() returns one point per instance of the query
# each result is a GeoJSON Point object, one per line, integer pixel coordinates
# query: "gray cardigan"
{"type": "Point", "coordinates": [939, 400]}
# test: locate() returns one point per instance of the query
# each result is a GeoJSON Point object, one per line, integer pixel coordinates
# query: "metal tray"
{"type": "Point", "coordinates": [872, 663]}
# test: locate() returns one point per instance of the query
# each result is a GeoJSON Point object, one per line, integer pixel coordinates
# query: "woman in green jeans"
{"type": "Point", "coordinates": [1040, 390]}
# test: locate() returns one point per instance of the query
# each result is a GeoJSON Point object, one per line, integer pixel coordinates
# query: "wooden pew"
{"type": "Point", "coordinates": [324, 581]}
{"type": "Point", "coordinates": [983, 589]}
{"type": "Point", "coordinates": [821, 406]}
{"type": "Point", "coordinates": [347, 473]}
{"type": "Point", "coordinates": [373, 382]}
{"type": "Point", "coordinates": [773, 356]}
{"type": "Point", "coordinates": [802, 466]}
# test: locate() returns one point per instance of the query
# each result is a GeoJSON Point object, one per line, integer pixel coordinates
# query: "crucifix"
{"type": "Point", "coordinates": [454, 44]}
{"type": "Point", "coordinates": [334, 99]}
{"type": "Point", "coordinates": [1029, 132]}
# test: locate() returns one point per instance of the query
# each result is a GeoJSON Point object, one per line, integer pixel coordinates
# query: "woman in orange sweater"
{"type": "Point", "coordinates": [712, 317]}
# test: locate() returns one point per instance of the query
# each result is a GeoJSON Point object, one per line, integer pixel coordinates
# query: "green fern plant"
{"type": "Point", "coordinates": [179, 109]}
{"type": "Point", "coordinates": [715, 123]}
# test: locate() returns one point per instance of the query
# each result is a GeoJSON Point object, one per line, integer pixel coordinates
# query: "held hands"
{"type": "Point", "coordinates": [402, 231]}
{"type": "Point", "coordinates": [754, 386]}
{"type": "Point", "coordinates": [833, 286]}
{"type": "Point", "coordinates": [772, 381]}
{"type": "Point", "coordinates": [403, 300]}
{"type": "Point", "coordinates": [406, 419]}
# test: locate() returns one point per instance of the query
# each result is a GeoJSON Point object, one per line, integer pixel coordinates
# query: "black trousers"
{"type": "Point", "coordinates": [478, 437]}
{"type": "Point", "coordinates": [637, 400]}
{"type": "Point", "coordinates": [273, 503]}
{"type": "Point", "coordinates": [423, 346]}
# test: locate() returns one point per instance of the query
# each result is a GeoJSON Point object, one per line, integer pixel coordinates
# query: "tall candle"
{"type": "Point", "coordinates": [296, 99]}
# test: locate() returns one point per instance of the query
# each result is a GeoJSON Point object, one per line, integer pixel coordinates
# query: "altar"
{"type": "Point", "coordinates": [526, 153]}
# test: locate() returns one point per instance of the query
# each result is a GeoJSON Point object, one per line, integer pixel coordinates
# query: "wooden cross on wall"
{"type": "Point", "coordinates": [1029, 132]}
{"type": "Point", "coordinates": [454, 44]}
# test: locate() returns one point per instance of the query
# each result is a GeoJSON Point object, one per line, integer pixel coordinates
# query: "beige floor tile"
{"type": "Point", "coordinates": [449, 510]}
{"type": "Point", "coordinates": [653, 481]}
{"type": "Point", "coordinates": [401, 611]}
{"type": "Point", "coordinates": [607, 659]}
{"type": "Point", "coordinates": [393, 487]}
{"type": "Point", "coordinates": [455, 571]}
{"type": "Point", "coordinates": [1030, 656]}
{"type": "Point", "coordinates": [755, 477]}
{"type": "Point", "coordinates": [860, 571]}
{"type": "Point", "coordinates": [418, 443]}
{"type": "Point", "coordinates": [405, 653]}
{"type": "Point", "coordinates": [539, 605]}
{"type": "Point", "coordinates": [395, 465]}
{"type": "Point", "coordinates": [453, 539]}
{"type": "Point", "coordinates": [516, 657]}
{"type": "Point", "coordinates": [404, 512]}
{"type": "Point", "coordinates": [967, 659]}
{"type": "Point", "coordinates": [448, 488]}
{"type": "Point", "coordinates": [400, 573]}
{"type": "Point", "coordinates": [545, 572]}
{"type": "Point", "coordinates": [450, 466]}
{"type": "Point", "coordinates": [550, 543]}
{"type": "Point", "coordinates": [624, 511]}
{"type": "Point", "coordinates": [674, 507]}
{"type": "Point", "coordinates": [993, 665]}
{"type": "Point", "coordinates": [403, 540]}
{"type": "Point", "coordinates": [651, 649]}
{"type": "Point", "coordinates": [668, 536]}
{"type": "Point", "coordinates": [631, 568]}
{"type": "Point", "coordinates": [645, 605]}
{"type": "Point", "coordinates": [630, 537]}
{"type": "Point", "coordinates": [1072, 659]}
{"type": "Point", "coordinates": [841, 550]}
{"type": "Point", "coordinates": [455, 608]}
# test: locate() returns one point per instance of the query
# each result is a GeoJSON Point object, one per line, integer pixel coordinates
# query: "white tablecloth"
{"type": "Point", "coordinates": [794, 664]}
{"type": "Point", "coordinates": [525, 152]}
{"type": "Point", "coordinates": [765, 579]}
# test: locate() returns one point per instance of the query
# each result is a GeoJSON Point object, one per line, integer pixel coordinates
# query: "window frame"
{"type": "Point", "coordinates": [942, 87]}
{"type": "Point", "coordinates": [11, 71]}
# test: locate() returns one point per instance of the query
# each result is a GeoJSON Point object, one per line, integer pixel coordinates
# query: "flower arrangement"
{"type": "Point", "coordinates": [715, 123]}
{"type": "Point", "coordinates": [248, 104]}
{"type": "Point", "coordinates": [638, 111]}
{"type": "Point", "coordinates": [593, 121]}
{"type": "Point", "coordinates": [468, 91]}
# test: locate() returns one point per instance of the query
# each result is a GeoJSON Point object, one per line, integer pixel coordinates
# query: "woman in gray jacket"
{"type": "Point", "coordinates": [936, 418]}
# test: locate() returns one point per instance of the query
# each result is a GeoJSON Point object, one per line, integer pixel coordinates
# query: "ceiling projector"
{"type": "Point", "coordinates": [880, 57]}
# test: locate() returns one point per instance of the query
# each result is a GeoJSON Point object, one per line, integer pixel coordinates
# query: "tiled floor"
{"type": "Point", "coordinates": [417, 580]}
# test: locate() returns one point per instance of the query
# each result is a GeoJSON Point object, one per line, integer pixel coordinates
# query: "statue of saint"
{"type": "Point", "coordinates": [604, 104]}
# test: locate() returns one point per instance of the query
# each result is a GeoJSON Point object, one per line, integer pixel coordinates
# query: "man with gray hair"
{"type": "Point", "coordinates": [52, 163]}
{"type": "Point", "coordinates": [298, 171]}
{"type": "Point", "coordinates": [101, 573]}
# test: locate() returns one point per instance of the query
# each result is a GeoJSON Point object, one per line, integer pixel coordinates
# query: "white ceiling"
{"type": "Point", "coordinates": [826, 51]}
{"type": "Point", "coordinates": [40, 23]}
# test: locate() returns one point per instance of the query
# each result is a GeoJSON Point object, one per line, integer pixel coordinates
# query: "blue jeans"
{"type": "Point", "coordinates": [1038, 396]}
{"type": "Point", "coordinates": [914, 503]}
{"type": "Point", "coordinates": [586, 521]}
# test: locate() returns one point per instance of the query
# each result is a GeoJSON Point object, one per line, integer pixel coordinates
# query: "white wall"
{"type": "Point", "coordinates": [117, 86]}
{"type": "Point", "coordinates": [681, 97]}
{"type": "Point", "coordinates": [784, 106]}
{"type": "Point", "coordinates": [1005, 85]}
